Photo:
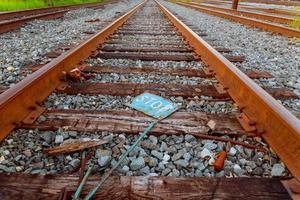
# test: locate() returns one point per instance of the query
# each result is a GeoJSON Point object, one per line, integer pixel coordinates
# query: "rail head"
{"type": "Point", "coordinates": [280, 128]}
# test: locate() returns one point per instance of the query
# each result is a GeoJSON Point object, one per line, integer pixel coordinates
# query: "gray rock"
{"type": "Point", "coordinates": [153, 139]}
{"type": "Point", "coordinates": [125, 169]}
{"type": "Point", "coordinates": [175, 172]}
{"type": "Point", "coordinates": [47, 136]}
{"type": "Point", "coordinates": [248, 152]}
{"type": "Point", "coordinates": [7, 169]}
{"type": "Point", "coordinates": [237, 170]}
{"type": "Point", "coordinates": [153, 162]}
{"type": "Point", "coordinates": [243, 161]}
{"type": "Point", "coordinates": [161, 166]}
{"type": "Point", "coordinates": [104, 160]}
{"type": "Point", "coordinates": [189, 138]}
{"type": "Point", "coordinates": [145, 170]}
{"type": "Point", "coordinates": [258, 171]}
{"type": "Point", "coordinates": [181, 163]}
{"type": "Point", "coordinates": [59, 139]}
{"type": "Point", "coordinates": [137, 163]}
{"type": "Point", "coordinates": [27, 153]}
{"type": "Point", "coordinates": [74, 163]}
{"type": "Point", "coordinates": [251, 164]}
{"type": "Point", "coordinates": [165, 172]}
{"type": "Point", "coordinates": [166, 158]}
{"type": "Point", "coordinates": [232, 151]}
{"type": "Point", "coordinates": [210, 145]}
{"type": "Point", "coordinates": [5, 152]}
{"type": "Point", "coordinates": [102, 152]}
{"type": "Point", "coordinates": [277, 170]}
{"type": "Point", "coordinates": [187, 156]}
{"type": "Point", "coordinates": [177, 156]}
{"type": "Point", "coordinates": [163, 147]}
{"type": "Point", "coordinates": [198, 173]}
{"type": "Point", "coordinates": [205, 153]}
{"type": "Point", "coordinates": [157, 154]}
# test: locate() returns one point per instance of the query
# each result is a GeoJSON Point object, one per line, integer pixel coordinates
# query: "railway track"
{"type": "Point", "coordinates": [148, 49]}
{"type": "Point", "coordinates": [266, 22]}
{"type": "Point", "coordinates": [13, 20]}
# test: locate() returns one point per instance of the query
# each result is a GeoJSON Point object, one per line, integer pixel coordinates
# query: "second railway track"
{"type": "Point", "coordinates": [149, 50]}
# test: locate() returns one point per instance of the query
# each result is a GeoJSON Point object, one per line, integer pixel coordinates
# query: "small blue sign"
{"type": "Point", "coordinates": [153, 105]}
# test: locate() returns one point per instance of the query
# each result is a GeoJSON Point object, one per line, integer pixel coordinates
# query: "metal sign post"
{"type": "Point", "coordinates": [152, 105]}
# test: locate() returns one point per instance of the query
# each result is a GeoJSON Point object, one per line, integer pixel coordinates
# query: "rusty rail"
{"type": "Point", "coordinates": [279, 127]}
{"type": "Point", "coordinates": [276, 28]}
{"type": "Point", "coordinates": [25, 97]}
{"type": "Point", "coordinates": [8, 24]}
{"type": "Point", "coordinates": [268, 17]}
{"type": "Point", "coordinates": [22, 13]}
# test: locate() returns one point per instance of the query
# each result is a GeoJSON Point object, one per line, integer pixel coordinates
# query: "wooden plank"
{"type": "Point", "coordinates": [183, 90]}
{"type": "Point", "coordinates": [144, 49]}
{"type": "Point", "coordinates": [167, 33]}
{"type": "Point", "coordinates": [133, 122]}
{"type": "Point", "coordinates": [168, 71]}
{"type": "Point", "coordinates": [158, 57]}
{"type": "Point", "coordinates": [26, 186]}
{"type": "Point", "coordinates": [146, 57]}
{"type": "Point", "coordinates": [73, 146]}
{"type": "Point", "coordinates": [133, 89]}
{"type": "Point", "coordinates": [148, 70]}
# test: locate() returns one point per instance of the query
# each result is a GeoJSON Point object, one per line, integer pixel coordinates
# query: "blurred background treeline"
{"type": "Point", "coordinates": [7, 5]}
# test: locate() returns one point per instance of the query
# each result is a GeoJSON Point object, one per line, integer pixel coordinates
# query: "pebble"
{"type": "Point", "coordinates": [102, 152]}
{"type": "Point", "coordinates": [104, 160]}
{"type": "Point", "coordinates": [137, 163]}
{"type": "Point", "coordinates": [277, 170]}
{"type": "Point", "coordinates": [125, 168]}
{"type": "Point", "coordinates": [181, 163]}
{"type": "Point", "coordinates": [210, 145]}
{"type": "Point", "coordinates": [153, 139]}
{"type": "Point", "coordinates": [232, 151]}
{"type": "Point", "coordinates": [59, 139]}
{"type": "Point", "coordinates": [74, 163]}
{"type": "Point", "coordinates": [205, 153]}
{"type": "Point", "coordinates": [189, 138]}
{"type": "Point", "coordinates": [157, 154]}
{"type": "Point", "coordinates": [258, 171]}
{"type": "Point", "coordinates": [177, 156]}
{"type": "Point", "coordinates": [237, 169]}
{"type": "Point", "coordinates": [166, 158]}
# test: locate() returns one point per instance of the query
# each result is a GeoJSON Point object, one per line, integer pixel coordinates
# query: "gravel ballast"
{"type": "Point", "coordinates": [182, 155]}
{"type": "Point", "coordinates": [264, 51]}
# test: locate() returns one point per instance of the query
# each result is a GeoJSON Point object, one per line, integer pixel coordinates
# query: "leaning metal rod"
{"type": "Point", "coordinates": [93, 192]}
{"type": "Point", "coordinates": [78, 191]}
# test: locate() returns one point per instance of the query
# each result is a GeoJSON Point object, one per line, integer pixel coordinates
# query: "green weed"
{"type": "Point", "coordinates": [8, 5]}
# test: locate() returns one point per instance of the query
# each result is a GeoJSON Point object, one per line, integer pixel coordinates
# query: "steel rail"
{"type": "Point", "coordinates": [26, 96]}
{"type": "Point", "coordinates": [268, 26]}
{"type": "Point", "coordinates": [268, 17]}
{"type": "Point", "coordinates": [22, 13]}
{"type": "Point", "coordinates": [249, 7]}
{"type": "Point", "coordinates": [279, 127]}
{"type": "Point", "coordinates": [9, 25]}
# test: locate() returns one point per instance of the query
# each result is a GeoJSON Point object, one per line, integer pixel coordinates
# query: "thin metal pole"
{"type": "Point", "coordinates": [78, 191]}
{"type": "Point", "coordinates": [93, 192]}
